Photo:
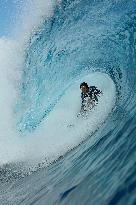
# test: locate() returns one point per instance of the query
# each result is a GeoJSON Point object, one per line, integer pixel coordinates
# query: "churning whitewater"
{"type": "Point", "coordinates": [49, 155]}
{"type": "Point", "coordinates": [44, 114]}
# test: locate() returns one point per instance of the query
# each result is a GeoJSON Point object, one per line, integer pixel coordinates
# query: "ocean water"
{"type": "Point", "coordinates": [48, 155]}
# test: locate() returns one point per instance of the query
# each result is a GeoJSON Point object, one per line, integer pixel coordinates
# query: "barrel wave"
{"type": "Point", "coordinates": [54, 157]}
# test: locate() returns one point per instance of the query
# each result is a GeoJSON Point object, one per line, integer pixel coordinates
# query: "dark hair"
{"type": "Point", "coordinates": [84, 84]}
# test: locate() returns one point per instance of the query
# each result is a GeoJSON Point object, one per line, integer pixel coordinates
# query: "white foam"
{"type": "Point", "coordinates": [12, 147]}
{"type": "Point", "coordinates": [10, 62]}
{"type": "Point", "coordinates": [32, 16]}
{"type": "Point", "coordinates": [54, 137]}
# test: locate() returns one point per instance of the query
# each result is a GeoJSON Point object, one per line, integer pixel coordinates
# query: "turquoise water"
{"type": "Point", "coordinates": [80, 38]}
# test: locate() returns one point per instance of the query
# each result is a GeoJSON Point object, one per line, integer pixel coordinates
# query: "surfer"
{"type": "Point", "coordinates": [89, 96]}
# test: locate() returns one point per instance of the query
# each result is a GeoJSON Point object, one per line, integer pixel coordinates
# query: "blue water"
{"type": "Point", "coordinates": [82, 36]}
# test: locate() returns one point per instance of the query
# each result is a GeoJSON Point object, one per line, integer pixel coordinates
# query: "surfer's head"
{"type": "Point", "coordinates": [84, 87]}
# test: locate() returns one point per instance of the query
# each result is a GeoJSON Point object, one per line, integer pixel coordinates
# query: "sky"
{"type": "Point", "coordinates": [9, 11]}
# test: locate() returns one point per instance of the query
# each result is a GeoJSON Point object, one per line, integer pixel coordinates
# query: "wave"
{"type": "Point", "coordinates": [59, 43]}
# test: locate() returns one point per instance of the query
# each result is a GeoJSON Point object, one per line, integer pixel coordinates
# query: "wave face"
{"type": "Point", "coordinates": [80, 37]}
